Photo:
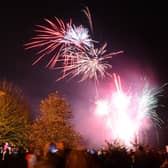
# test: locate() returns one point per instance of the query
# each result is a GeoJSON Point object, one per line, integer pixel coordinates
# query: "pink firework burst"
{"type": "Point", "coordinates": [53, 39]}
{"type": "Point", "coordinates": [125, 114]}
{"type": "Point", "coordinates": [48, 40]}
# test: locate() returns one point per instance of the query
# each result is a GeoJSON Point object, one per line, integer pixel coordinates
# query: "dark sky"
{"type": "Point", "coordinates": [139, 29]}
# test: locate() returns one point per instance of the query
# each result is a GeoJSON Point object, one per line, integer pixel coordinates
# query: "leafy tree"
{"type": "Point", "coordinates": [53, 123]}
{"type": "Point", "coordinates": [14, 115]}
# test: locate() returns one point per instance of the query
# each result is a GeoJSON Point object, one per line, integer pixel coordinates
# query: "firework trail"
{"type": "Point", "coordinates": [87, 13]}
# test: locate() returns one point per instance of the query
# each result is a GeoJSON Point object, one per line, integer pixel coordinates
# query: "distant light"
{"type": "Point", "coordinates": [2, 93]}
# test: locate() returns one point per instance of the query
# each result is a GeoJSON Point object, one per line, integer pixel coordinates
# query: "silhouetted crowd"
{"type": "Point", "coordinates": [55, 157]}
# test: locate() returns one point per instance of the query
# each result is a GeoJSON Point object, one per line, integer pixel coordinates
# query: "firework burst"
{"type": "Point", "coordinates": [125, 114]}
{"type": "Point", "coordinates": [78, 36]}
{"type": "Point", "coordinates": [48, 40]}
{"type": "Point", "coordinates": [89, 64]}
{"type": "Point", "coordinates": [53, 39]}
{"type": "Point", "coordinates": [73, 47]}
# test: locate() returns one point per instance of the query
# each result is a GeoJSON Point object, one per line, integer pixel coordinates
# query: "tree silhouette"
{"type": "Point", "coordinates": [53, 124]}
{"type": "Point", "coordinates": [14, 115]}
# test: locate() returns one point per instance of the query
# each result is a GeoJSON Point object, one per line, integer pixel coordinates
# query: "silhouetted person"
{"type": "Point", "coordinates": [76, 159]}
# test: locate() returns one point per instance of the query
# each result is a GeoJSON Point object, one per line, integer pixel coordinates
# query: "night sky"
{"type": "Point", "coordinates": [139, 29]}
